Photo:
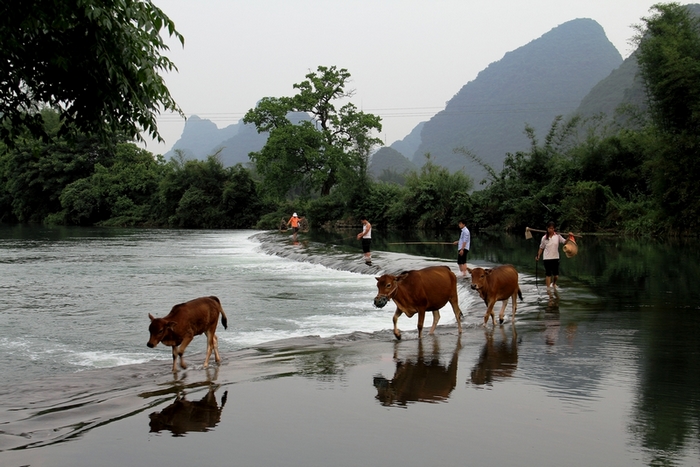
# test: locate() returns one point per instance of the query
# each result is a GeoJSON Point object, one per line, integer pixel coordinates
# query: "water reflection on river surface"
{"type": "Point", "coordinates": [603, 371]}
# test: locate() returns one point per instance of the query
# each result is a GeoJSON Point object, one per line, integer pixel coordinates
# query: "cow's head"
{"type": "Point", "coordinates": [479, 277]}
{"type": "Point", "coordinates": [158, 329]}
{"type": "Point", "coordinates": [386, 288]}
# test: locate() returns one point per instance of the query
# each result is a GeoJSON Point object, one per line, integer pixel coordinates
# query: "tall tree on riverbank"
{"type": "Point", "coordinates": [97, 62]}
{"type": "Point", "coordinates": [317, 154]}
{"type": "Point", "coordinates": [669, 63]}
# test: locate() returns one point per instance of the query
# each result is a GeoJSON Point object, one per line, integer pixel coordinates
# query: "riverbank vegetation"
{"type": "Point", "coordinates": [634, 172]}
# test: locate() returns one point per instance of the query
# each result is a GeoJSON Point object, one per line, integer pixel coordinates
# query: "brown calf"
{"type": "Point", "coordinates": [186, 320]}
{"type": "Point", "coordinates": [497, 284]}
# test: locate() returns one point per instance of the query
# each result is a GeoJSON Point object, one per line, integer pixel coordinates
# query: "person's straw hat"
{"type": "Point", "coordinates": [570, 247]}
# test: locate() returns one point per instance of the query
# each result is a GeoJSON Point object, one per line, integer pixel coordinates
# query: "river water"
{"type": "Point", "coordinates": [604, 371]}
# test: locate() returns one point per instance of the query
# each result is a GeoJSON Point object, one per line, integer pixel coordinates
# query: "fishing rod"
{"type": "Point", "coordinates": [421, 243]}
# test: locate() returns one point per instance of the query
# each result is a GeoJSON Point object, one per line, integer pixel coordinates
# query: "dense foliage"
{"type": "Point", "coordinates": [82, 180]}
{"type": "Point", "coordinates": [99, 62]}
{"type": "Point", "coordinates": [592, 183]}
{"type": "Point", "coordinates": [634, 172]}
{"type": "Point", "coordinates": [669, 62]}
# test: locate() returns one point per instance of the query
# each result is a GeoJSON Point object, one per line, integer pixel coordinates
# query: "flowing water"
{"type": "Point", "coordinates": [75, 299]}
{"type": "Point", "coordinates": [603, 371]}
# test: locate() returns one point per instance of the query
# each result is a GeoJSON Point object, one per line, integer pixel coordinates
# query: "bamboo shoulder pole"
{"type": "Point", "coordinates": [528, 235]}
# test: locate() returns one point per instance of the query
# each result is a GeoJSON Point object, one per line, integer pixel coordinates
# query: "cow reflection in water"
{"type": "Point", "coordinates": [183, 416]}
{"type": "Point", "coordinates": [498, 360]}
{"type": "Point", "coordinates": [424, 380]}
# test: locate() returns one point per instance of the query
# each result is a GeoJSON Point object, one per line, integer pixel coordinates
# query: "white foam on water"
{"type": "Point", "coordinates": [89, 309]}
{"type": "Point", "coordinates": [103, 359]}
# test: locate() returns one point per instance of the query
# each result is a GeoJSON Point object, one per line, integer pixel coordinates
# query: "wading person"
{"type": "Point", "coordinates": [463, 247]}
{"type": "Point", "coordinates": [294, 222]}
{"type": "Point", "coordinates": [366, 237]}
{"type": "Point", "coordinates": [549, 245]}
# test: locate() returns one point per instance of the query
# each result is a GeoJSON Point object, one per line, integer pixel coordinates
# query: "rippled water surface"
{"type": "Point", "coordinates": [604, 371]}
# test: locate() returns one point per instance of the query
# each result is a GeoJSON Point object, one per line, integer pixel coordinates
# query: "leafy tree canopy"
{"type": "Point", "coordinates": [314, 154]}
{"type": "Point", "coordinates": [97, 61]}
{"type": "Point", "coordinates": [669, 63]}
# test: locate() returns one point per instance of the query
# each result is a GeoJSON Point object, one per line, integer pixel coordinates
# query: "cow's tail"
{"type": "Point", "coordinates": [224, 319]}
{"type": "Point", "coordinates": [520, 294]}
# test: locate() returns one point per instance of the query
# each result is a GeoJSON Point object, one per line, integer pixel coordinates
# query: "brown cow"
{"type": "Point", "coordinates": [497, 284]}
{"type": "Point", "coordinates": [185, 321]}
{"type": "Point", "coordinates": [418, 291]}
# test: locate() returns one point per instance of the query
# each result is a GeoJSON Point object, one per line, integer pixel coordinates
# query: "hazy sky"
{"type": "Point", "coordinates": [407, 58]}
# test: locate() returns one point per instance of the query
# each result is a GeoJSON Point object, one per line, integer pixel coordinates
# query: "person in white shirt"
{"type": "Point", "coordinates": [366, 237]}
{"type": "Point", "coordinates": [463, 245]}
{"type": "Point", "coordinates": [549, 245]}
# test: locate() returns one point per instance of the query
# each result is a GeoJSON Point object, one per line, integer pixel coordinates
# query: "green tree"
{"type": "Point", "coordinates": [119, 194]}
{"type": "Point", "coordinates": [669, 63]}
{"type": "Point", "coordinates": [434, 198]}
{"type": "Point", "coordinates": [34, 172]}
{"type": "Point", "coordinates": [97, 61]}
{"type": "Point", "coordinates": [205, 194]}
{"type": "Point", "coordinates": [317, 154]}
{"type": "Point", "coordinates": [581, 177]}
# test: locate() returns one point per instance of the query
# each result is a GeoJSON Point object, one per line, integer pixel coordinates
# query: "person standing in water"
{"type": "Point", "coordinates": [366, 237]}
{"type": "Point", "coordinates": [294, 222]}
{"type": "Point", "coordinates": [463, 245]}
{"type": "Point", "coordinates": [549, 245]}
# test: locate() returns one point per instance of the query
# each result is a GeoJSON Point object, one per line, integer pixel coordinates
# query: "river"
{"type": "Point", "coordinates": [603, 371]}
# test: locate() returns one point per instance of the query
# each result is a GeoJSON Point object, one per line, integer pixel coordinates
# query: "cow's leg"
{"type": "Point", "coordinates": [436, 318]}
{"type": "Point", "coordinates": [181, 350]}
{"type": "Point", "coordinates": [210, 346]}
{"type": "Point", "coordinates": [421, 320]}
{"type": "Point", "coordinates": [174, 358]}
{"type": "Point", "coordinates": [217, 357]}
{"type": "Point", "coordinates": [515, 304]}
{"type": "Point", "coordinates": [397, 333]}
{"type": "Point", "coordinates": [489, 312]}
{"type": "Point", "coordinates": [503, 311]}
{"type": "Point", "coordinates": [458, 313]}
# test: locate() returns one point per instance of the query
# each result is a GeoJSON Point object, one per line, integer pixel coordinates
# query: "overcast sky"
{"type": "Point", "coordinates": [407, 58]}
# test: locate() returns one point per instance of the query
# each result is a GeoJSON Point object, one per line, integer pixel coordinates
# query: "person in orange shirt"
{"type": "Point", "coordinates": [294, 222]}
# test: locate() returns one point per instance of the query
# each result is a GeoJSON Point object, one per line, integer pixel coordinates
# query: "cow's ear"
{"type": "Point", "coordinates": [170, 324]}
{"type": "Point", "coordinates": [401, 277]}
{"type": "Point", "coordinates": [487, 271]}
{"type": "Point", "coordinates": [377, 278]}
{"type": "Point", "coordinates": [150, 316]}
{"type": "Point", "coordinates": [469, 270]}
